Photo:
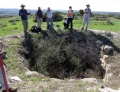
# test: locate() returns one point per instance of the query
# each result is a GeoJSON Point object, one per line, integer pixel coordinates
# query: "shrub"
{"type": "Point", "coordinates": [109, 22]}
{"type": "Point", "coordinates": [77, 13]}
{"type": "Point", "coordinates": [57, 16]}
{"type": "Point", "coordinates": [44, 17]}
{"type": "Point", "coordinates": [117, 16]}
{"type": "Point", "coordinates": [81, 12]}
{"type": "Point", "coordinates": [64, 55]}
{"type": "Point", "coordinates": [34, 20]}
{"type": "Point", "coordinates": [3, 25]}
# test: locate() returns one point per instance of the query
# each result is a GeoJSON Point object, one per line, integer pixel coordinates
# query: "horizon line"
{"type": "Point", "coordinates": [62, 10]}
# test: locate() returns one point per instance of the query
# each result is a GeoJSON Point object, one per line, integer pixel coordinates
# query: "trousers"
{"type": "Point", "coordinates": [25, 26]}
{"type": "Point", "coordinates": [2, 80]}
{"type": "Point", "coordinates": [49, 20]}
{"type": "Point", "coordinates": [39, 21]}
{"type": "Point", "coordinates": [86, 20]}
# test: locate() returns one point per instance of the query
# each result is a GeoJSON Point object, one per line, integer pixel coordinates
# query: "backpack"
{"type": "Point", "coordinates": [3, 55]}
{"type": "Point", "coordinates": [50, 27]}
{"type": "Point", "coordinates": [35, 29]}
{"type": "Point", "coordinates": [73, 13]}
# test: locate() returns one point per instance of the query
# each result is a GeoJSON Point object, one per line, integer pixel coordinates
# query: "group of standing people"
{"type": "Point", "coordinates": [39, 15]}
{"type": "Point", "coordinates": [70, 15]}
{"type": "Point", "coordinates": [68, 20]}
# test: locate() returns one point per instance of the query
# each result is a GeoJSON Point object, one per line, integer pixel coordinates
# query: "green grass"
{"type": "Point", "coordinates": [13, 56]}
{"type": "Point", "coordinates": [102, 25]}
{"type": "Point", "coordinates": [7, 28]}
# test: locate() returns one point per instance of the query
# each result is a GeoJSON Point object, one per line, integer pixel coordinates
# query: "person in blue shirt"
{"type": "Point", "coordinates": [23, 13]}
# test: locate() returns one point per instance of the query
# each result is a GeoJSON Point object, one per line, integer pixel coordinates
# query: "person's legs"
{"type": "Point", "coordinates": [25, 25]}
{"type": "Point", "coordinates": [71, 26]}
{"type": "Point", "coordinates": [38, 21]}
{"type": "Point", "coordinates": [65, 25]}
{"type": "Point", "coordinates": [41, 22]}
{"type": "Point", "coordinates": [3, 85]}
{"type": "Point", "coordinates": [26, 28]}
{"type": "Point", "coordinates": [68, 22]}
{"type": "Point", "coordinates": [84, 21]}
{"type": "Point", "coordinates": [2, 81]}
{"type": "Point", "coordinates": [87, 22]}
{"type": "Point", "coordinates": [51, 20]}
{"type": "Point", "coordinates": [47, 20]}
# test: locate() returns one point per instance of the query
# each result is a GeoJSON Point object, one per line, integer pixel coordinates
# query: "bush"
{"type": "Point", "coordinates": [109, 22]}
{"type": "Point", "coordinates": [44, 17]}
{"type": "Point", "coordinates": [117, 16]}
{"type": "Point", "coordinates": [77, 13]}
{"type": "Point", "coordinates": [65, 55]}
{"type": "Point", "coordinates": [56, 17]}
{"type": "Point", "coordinates": [34, 20]}
{"type": "Point", "coordinates": [81, 12]}
{"type": "Point", "coordinates": [3, 25]}
{"type": "Point", "coordinates": [91, 14]}
{"type": "Point", "coordinates": [99, 17]}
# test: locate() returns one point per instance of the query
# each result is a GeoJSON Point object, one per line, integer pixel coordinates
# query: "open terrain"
{"type": "Point", "coordinates": [11, 31]}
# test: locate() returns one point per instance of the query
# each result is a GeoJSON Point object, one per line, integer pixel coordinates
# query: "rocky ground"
{"type": "Point", "coordinates": [34, 82]}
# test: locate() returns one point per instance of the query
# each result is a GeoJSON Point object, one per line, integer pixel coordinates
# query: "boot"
{"type": "Point", "coordinates": [11, 90]}
{"type": "Point", "coordinates": [86, 29]}
{"type": "Point", "coordinates": [82, 28]}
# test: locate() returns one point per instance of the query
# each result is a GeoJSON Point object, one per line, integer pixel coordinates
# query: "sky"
{"type": "Point", "coordinates": [95, 5]}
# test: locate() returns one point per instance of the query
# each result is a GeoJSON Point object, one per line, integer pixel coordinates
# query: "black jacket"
{"type": "Point", "coordinates": [39, 14]}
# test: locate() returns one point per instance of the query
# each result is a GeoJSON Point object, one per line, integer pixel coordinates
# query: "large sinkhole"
{"type": "Point", "coordinates": [64, 54]}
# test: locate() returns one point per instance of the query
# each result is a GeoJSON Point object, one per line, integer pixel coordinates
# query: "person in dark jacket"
{"type": "Point", "coordinates": [23, 13]}
{"type": "Point", "coordinates": [39, 17]}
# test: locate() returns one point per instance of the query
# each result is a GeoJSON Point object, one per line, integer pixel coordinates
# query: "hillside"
{"type": "Point", "coordinates": [41, 83]}
{"type": "Point", "coordinates": [32, 81]}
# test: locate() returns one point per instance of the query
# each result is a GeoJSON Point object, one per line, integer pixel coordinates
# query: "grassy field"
{"type": "Point", "coordinates": [7, 28]}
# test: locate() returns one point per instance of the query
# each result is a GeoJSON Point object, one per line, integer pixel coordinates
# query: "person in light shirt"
{"type": "Point", "coordinates": [86, 17]}
{"type": "Point", "coordinates": [49, 17]}
{"type": "Point", "coordinates": [65, 22]}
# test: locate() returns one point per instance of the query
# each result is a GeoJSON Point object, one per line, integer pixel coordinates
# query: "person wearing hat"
{"type": "Point", "coordinates": [86, 17]}
{"type": "Point", "coordinates": [23, 13]}
{"type": "Point", "coordinates": [70, 16]}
